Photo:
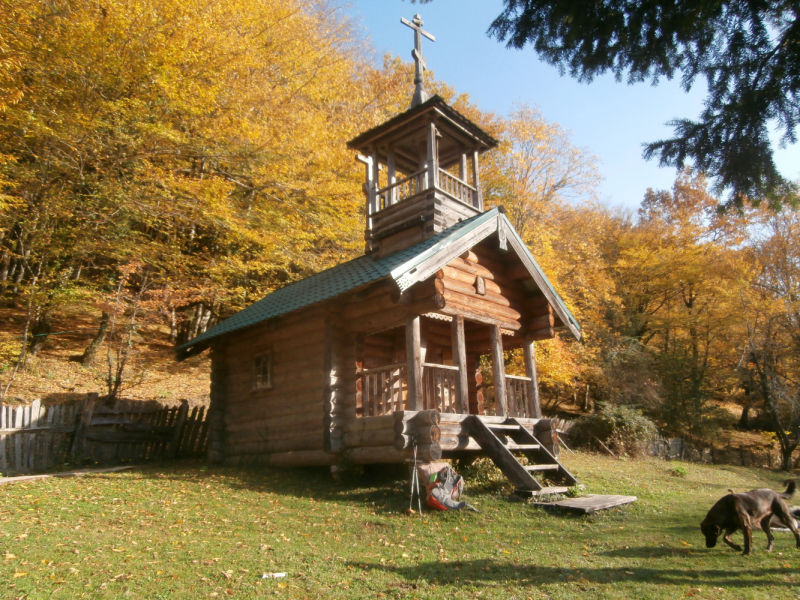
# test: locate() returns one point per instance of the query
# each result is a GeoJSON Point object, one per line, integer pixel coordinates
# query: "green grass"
{"type": "Point", "coordinates": [184, 531]}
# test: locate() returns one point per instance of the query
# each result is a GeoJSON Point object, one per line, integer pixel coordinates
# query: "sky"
{"type": "Point", "coordinates": [610, 119]}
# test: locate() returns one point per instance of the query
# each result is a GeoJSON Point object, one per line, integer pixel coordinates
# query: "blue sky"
{"type": "Point", "coordinates": [609, 119]}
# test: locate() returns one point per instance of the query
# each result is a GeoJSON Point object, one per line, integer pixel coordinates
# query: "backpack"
{"type": "Point", "coordinates": [444, 490]}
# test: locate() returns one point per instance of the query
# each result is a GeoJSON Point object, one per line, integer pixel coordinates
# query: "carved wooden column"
{"type": "Point", "coordinates": [460, 361]}
{"type": "Point", "coordinates": [433, 159]}
{"type": "Point", "coordinates": [476, 181]}
{"type": "Point", "coordinates": [534, 405]}
{"type": "Point", "coordinates": [499, 372]}
{"type": "Point", "coordinates": [391, 179]}
{"type": "Point", "coordinates": [414, 363]}
{"type": "Point", "coordinates": [376, 170]}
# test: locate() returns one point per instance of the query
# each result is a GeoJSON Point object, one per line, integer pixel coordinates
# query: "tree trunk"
{"type": "Point", "coordinates": [40, 332]}
{"type": "Point", "coordinates": [90, 354]}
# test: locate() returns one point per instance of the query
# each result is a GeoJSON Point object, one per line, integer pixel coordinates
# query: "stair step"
{"type": "Point", "coordinates": [498, 427]}
{"type": "Point", "coordinates": [542, 468]}
{"type": "Point", "coordinates": [522, 447]}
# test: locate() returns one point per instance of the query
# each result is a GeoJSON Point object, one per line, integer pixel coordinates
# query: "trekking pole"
{"type": "Point", "coordinates": [415, 482]}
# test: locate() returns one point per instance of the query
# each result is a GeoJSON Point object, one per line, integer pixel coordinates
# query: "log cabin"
{"type": "Point", "coordinates": [374, 358]}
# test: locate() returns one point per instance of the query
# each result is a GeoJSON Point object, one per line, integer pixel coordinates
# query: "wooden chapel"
{"type": "Point", "coordinates": [360, 363]}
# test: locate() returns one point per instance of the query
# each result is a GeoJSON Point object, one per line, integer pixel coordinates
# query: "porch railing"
{"type": "Point", "coordinates": [402, 189]}
{"type": "Point", "coordinates": [455, 187]}
{"type": "Point", "coordinates": [383, 389]}
{"type": "Point", "coordinates": [439, 388]}
{"type": "Point", "coordinates": [518, 399]}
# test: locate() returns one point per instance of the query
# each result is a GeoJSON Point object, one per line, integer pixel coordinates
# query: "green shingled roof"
{"type": "Point", "coordinates": [401, 266]}
{"type": "Point", "coordinates": [334, 282]}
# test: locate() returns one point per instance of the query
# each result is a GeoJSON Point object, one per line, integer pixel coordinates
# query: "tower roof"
{"type": "Point", "coordinates": [405, 130]}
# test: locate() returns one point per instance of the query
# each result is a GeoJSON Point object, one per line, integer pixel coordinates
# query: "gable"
{"type": "Point", "coordinates": [405, 268]}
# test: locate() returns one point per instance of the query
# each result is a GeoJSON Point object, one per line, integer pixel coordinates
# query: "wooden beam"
{"type": "Point", "coordinates": [375, 184]}
{"type": "Point", "coordinates": [433, 162]}
{"type": "Point", "coordinates": [498, 372]}
{"type": "Point", "coordinates": [476, 182]}
{"type": "Point", "coordinates": [533, 385]}
{"type": "Point", "coordinates": [392, 178]}
{"type": "Point", "coordinates": [460, 360]}
{"type": "Point", "coordinates": [414, 361]}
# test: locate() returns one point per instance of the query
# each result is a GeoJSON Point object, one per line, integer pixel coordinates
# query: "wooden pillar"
{"type": "Point", "coordinates": [476, 181]}
{"type": "Point", "coordinates": [375, 183]}
{"type": "Point", "coordinates": [498, 372]}
{"type": "Point", "coordinates": [462, 167]}
{"type": "Point", "coordinates": [367, 188]}
{"type": "Point", "coordinates": [216, 408]}
{"type": "Point", "coordinates": [432, 158]}
{"type": "Point", "coordinates": [475, 381]}
{"type": "Point", "coordinates": [414, 362]}
{"type": "Point", "coordinates": [534, 404]}
{"type": "Point", "coordinates": [391, 179]}
{"type": "Point", "coordinates": [460, 361]}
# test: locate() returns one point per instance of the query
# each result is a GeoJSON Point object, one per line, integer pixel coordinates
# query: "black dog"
{"type": "Point", "coordinates": [745, 511]}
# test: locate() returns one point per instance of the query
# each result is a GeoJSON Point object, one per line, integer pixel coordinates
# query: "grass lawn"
{"type": "Point", "coordinates": [186, 531]}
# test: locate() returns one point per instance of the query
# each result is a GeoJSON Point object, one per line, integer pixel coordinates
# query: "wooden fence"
{"type": "Point", "coordinates": [39, 438]}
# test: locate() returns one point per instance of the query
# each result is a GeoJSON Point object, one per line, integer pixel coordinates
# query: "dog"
{"type": "Point", "coordinates": [746, 511]}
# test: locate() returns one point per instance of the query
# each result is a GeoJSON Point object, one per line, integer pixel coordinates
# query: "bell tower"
{"type": "Point", "coordinates": [421, 167]}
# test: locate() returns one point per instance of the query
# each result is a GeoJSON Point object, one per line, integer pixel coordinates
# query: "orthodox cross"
{"type": "Point", "coordinates": [419, 93]}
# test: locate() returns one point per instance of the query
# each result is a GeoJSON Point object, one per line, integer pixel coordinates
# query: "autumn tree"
{"type": "Point", "coordinates": [745, 51]}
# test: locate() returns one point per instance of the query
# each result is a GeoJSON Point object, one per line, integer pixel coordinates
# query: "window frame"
{"type": "Point", "coordinates": [258, 382]}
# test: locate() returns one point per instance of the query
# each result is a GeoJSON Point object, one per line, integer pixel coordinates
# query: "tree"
{"type": "Point", "coordinates": [746, 51]}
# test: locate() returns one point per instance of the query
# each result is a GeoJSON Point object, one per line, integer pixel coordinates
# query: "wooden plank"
{"type": "Point", "coordinates": [180, 422]}
{"type": "Point", "coordinates": [589, 504]}
{"type": "Point", "coordinates": [76, 473]}
{"type": "Point", "coordinates": [18, 415]}
{"type": "Point", "coordinates": [83, 426]}
{"type": "Point", "coordinates": [3, 459]}
{"type": "Point", "coordinates": [499, 372]}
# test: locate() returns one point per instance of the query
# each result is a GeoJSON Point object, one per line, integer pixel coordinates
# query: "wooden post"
{"type": "Point", "coordinates": [499, 372]}
{"type": "Point", "coordinates": [391, 179]}
{"type": "Point", "coordinates": [460, 361]}
{"type": "Point", "coordinates": [533, 385]}
{"type": "Point", "coordinates": [376, 166]}
{"type": "Point", "coordinates": [215, 444]}
{"type": "Point", "coordinates": [433, 159]}
{"type": "Point", "coordinates": [462, 167]}
{"type": "Point", "coordinates": [177, 430]}
{"type": "Point", "coordinates": [82, 426]}
{"type": "Point", "coordinates": [476, 181]}
{"type": "Point", "coordinates": [414, 361]}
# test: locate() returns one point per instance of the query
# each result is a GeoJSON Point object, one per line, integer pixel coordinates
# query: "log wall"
{"type": "Point", "coordinates": [288, 417]}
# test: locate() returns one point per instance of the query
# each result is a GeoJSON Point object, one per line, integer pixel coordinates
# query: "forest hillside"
{"type": "Point", "coordinates": [163, 165]}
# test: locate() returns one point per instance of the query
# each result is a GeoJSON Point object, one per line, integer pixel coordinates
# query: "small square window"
{"type": "Point", "coordinates": [262, 371]}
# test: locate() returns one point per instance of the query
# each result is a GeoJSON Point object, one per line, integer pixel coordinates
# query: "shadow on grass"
{"type": "Point", "coordinates": [481, 572]}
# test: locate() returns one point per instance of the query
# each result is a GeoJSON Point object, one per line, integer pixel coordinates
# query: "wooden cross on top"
{"type": "Point", "coordinates": [419, 92]}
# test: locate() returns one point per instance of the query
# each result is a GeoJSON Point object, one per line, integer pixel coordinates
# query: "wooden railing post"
{"type": "Point", "coordinates": [460, 361]}
{"type": "Point", "coordinates": [414, 360]}
{"type": "Point", "coordinates": [177, 432]}
{"type": "Point", "coordinates": [499, 372]}
{"type": "Point", "coordinates": [83, 424]}
{"type": "Point", "coordinates": [533, 384]}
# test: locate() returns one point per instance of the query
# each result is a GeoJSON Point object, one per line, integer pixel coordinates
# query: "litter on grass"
{"type": "Point", "coordinates": [273, 576]}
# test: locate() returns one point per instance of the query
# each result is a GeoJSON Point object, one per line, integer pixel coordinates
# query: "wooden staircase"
{"type": "Point", "coordinates": [502, 442]}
